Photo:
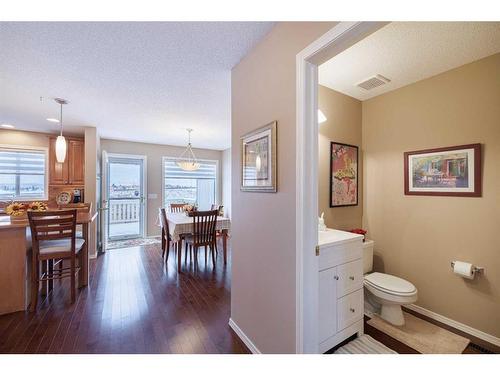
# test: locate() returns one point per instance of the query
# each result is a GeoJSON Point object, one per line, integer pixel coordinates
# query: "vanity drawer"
{"type": "Point", "coordinates": [349, 309]}
{"type": "Point", "coordinates": [350, 277]}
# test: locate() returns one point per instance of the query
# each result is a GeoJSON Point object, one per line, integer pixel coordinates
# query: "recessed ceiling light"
{"type": "Point", "coordinates": [53, 120]}
{"type": "Point", "coordinates": [7, 126]}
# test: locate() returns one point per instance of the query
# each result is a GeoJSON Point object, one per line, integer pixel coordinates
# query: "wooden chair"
{"type": "Point", "coordinates": [166, 239]}
{"type": "Point", "coordinates": [177, 207]}
{"type": "Point", "coordinates": [80, 207]}
{"type": "Point", "coordinates": [204, 223]}
{"type": "Point", "coordinates": [53, 236]}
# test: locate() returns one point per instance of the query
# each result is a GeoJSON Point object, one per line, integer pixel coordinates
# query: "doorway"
{"type": "Point", "coordinates": [338, 39]}
{"type": "Point", "coordinates": [124, 190]}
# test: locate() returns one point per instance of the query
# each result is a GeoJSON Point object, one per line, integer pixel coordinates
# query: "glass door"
{"type": "Point", "coordinates": [125, 194]}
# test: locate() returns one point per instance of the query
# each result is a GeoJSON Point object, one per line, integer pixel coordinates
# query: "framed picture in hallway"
{"type": "Point", "coordinates": [343, 175]}
{"type": "Point", "coordinates": [447, 171]}
{"type": "Point", "coordinates": [258, 159]}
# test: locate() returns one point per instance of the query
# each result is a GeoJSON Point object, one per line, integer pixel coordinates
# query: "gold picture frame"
{"type": "Point", "coordinates": [258, 160]}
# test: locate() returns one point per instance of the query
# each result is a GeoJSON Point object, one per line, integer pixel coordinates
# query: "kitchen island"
{"type": "Point", "coordinates": [15, 261]}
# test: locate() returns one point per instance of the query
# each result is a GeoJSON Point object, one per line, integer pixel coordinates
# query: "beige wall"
{"type": "Point", "coordinates": [226, 181]}
{"type": "Point", "coordinates": [154, 155]}
{"type": "Point", "coordinates": [416, 237]}
{"type": "Point", "coordinates": [23, 138]}
{"type": "Point", "coordinates": [343, 125]}
{"type": "Point", "coordinates": [263, 224]}
{"type": "Point", "coordinates": [91, 157]}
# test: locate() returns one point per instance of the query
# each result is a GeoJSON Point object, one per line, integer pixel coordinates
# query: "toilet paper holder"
{"type": "Point", "coordinates": [475, 269]}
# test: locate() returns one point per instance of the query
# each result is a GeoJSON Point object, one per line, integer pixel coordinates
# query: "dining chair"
{"type": "Point", "coordinates": [53, 236]}
{"type": "Point", "coordinates": [204, 224]}
{"type": "Point", "coordinates": [177, 207]}
{"type": "Point", "coordinates": [166, 238]}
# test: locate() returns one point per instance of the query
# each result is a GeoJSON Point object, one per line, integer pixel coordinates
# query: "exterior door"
{"type": "Point", "coordinates": [103, 209]}
{"type": "Point", "coordinates": [124, 197]}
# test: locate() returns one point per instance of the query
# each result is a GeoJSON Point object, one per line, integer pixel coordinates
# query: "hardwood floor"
{"type": "Point", "coordinates": [133, 304]}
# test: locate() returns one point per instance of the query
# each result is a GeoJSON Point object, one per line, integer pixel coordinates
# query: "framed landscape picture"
{"type": "Point", "coordinates": [447, 171]}
{"type": "Point", "coordinates": [343, 175]}
{"type": "Point", "coordinates": [258, 159]}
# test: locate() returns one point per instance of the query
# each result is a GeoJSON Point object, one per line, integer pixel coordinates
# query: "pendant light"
{"type": "Point", "coordinates": [61, 141]}
{"type": "Point", "coordinates": [187, 160]}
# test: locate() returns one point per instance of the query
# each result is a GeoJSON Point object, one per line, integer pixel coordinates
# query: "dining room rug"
{"type": "Point", "coordinates": [111, 245]}
{"type": "Point", "coordinates": [364, 344]}
{"type": "Point", "coordinates": [423, 336]}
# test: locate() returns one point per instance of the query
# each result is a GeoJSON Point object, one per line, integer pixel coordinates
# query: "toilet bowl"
{"type": "Point", "coordinates": [388, 291]}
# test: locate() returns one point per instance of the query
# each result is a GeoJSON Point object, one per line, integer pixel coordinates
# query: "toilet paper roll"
{"type": "Point", "coordinates": [464, 269]}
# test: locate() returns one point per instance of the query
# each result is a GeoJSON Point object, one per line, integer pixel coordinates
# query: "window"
{"type": "Point", "coordinates": [196, 187]}
{"type": "Point", "coordinates": [22, 174]}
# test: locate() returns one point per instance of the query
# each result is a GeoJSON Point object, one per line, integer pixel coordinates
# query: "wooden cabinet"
{"type": "Point", "coordinates": [341, 302]}
{"type": "Point", "coordinates": [76, 158]}
{"type": "Point", "coordinates": [72, 171]}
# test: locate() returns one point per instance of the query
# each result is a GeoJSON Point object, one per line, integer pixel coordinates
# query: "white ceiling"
{"type": "Point", "coordinates": [135, 81]}
{"type": "Point", "coordinates": [407, 52]}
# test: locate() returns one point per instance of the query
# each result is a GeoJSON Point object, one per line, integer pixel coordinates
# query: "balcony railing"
{"type": "Point", "coordinates": [124, 211]}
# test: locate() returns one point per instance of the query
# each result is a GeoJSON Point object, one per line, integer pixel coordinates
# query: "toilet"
{"type": "Point", "coordinates": [386, 292]}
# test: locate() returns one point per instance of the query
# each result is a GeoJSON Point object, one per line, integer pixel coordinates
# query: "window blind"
{"type": "Point", "coordinates": [22, 162]}
{"type": "Point", "coordinates": [207, 170]}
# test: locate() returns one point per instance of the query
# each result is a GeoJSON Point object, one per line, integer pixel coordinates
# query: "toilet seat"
{"type": "Point", "coordinates": [390, 284]}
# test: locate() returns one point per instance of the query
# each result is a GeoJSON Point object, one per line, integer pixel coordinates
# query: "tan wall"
{"type": "Point", "coordinates": [154, 155]}
{"type": "Point", "coordinates": [226, 181]}
{"type": "Point", "coordinates": [343, 125]}
{"type": "Point", "coordinates": [23, 138]}
{"type": "Point", "coordinates": [91, 150]}
{"type": "Point", "coordinates": [416, 237]}
{"type": "Point", "coordinates": [263, 224]}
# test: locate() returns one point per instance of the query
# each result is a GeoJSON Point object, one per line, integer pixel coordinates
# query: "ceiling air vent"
{"type": "Point", "coordinates": [373, 82]}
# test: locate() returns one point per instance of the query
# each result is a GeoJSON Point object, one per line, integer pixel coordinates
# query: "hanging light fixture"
{"type": "Point", "coordinates": [61, 141]}
{"type": "Point", "coordinates": [187, 160]}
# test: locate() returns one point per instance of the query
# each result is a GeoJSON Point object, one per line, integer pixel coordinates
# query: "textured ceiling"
{"type": "Point", "coordinates": [135, 81]}
{"type": "Point", "coordinates": [407, 52]}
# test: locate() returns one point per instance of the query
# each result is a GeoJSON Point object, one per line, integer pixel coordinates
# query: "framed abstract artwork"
{"type": "Point", "coordinates": [447, 171]}
{"type": "Point", "coordinates": [343, 175]}
{"type": "Point", "coordinates": [258, 159]}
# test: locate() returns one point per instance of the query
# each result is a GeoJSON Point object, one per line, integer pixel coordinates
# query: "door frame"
{"type": "Point", "coordinates": [339, 38]}
{"type": "Point", "coordinates": [144, 215]}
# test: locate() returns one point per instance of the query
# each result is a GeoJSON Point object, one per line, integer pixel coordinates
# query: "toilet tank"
{"type": "Point", "coordinates": [368, 256]}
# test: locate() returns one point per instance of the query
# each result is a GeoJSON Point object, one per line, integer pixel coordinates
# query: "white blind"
{"type": "Point", "coordinates": [207, 170]}
{"type": "Point", "coordinates": [22, 162]}
{"type": "Point", "coordinates": [22, 174]}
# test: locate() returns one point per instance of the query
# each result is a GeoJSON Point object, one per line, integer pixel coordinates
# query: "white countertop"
{"type": "Point", "coordinates": [335, 236]}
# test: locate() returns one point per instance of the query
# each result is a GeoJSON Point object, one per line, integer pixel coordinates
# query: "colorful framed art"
{"type": "Point", "coordinates": [343, 175]}
{"type": "Point", "coordinates": [447, 171]}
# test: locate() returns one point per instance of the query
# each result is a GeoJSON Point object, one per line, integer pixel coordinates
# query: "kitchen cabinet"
{"type": "Point", "coordinates": [72, 171]}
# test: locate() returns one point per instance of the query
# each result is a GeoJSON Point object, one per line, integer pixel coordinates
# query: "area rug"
{"type": "Point", "coordinates": [364, 345]}
{"type": "Point", "coordinates": [422, 336]}
{"type": "Point", "coordinates": [131, 243]}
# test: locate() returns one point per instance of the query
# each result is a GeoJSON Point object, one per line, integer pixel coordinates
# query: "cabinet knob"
{"type": "Point", "coordinates": [351, 277]}
{"type": "Point", "coordinates": [352, 310]}
{"type": "Point", "coordinates": [336, 277]}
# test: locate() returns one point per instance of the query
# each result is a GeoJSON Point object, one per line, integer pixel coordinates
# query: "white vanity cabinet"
{"type": "Point", "coordinates": [341, 300]}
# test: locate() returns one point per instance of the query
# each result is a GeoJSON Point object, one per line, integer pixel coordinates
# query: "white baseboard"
{"type": "Point", "coordinates": [453, 323]}
{"type": "Point", "coordinates": [250, 345]}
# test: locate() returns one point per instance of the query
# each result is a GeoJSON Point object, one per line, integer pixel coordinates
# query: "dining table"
{"type": "Point", "coordinates": [180, 225]}
{"type": "Point", "coordinates": [15, 260]}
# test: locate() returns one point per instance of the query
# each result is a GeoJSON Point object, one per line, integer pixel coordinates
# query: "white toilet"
{"type": "Point", "coordinates": [387, 291]}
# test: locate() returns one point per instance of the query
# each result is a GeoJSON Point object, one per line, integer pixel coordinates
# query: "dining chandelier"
{"type": "Point", "coordinates": [187, 160]}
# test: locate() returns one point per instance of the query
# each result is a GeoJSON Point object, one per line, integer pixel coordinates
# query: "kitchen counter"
{"type": "Point", "coordinates": [15, 258]}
